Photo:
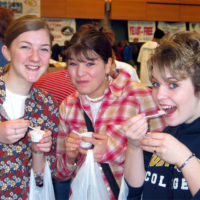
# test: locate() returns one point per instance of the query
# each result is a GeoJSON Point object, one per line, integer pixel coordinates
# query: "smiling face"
{"type": "Point", "coordinates": [89, 75]}
{"type": "Point", "coordinates": [29, 55]}
{"type": "Point", "coordinates": [176, 97]}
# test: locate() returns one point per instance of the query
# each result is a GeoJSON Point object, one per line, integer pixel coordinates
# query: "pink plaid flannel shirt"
{"type": "Point", "coordinates": [123, 99]}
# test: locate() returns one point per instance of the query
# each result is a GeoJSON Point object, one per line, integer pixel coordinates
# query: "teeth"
{"type": "Point", "coordinates": [32, 67]}
{"type": "Point", "coordinates": [167, 107]}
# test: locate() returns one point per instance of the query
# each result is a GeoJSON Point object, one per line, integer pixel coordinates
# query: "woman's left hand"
{"type": "Point", "coordinates": [100, 145]}
{"type": "Point", "coordinates": [166, 147]}
{"type": "Point", "coordinates": [44, 145]}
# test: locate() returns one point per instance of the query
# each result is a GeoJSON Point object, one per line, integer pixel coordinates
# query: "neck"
{"type": "Point", "coordinates": [16, 85]}
{"type": "Point", "coordinates": [98, 98]}
{"type": "Point", "coordinates": [95, 100]}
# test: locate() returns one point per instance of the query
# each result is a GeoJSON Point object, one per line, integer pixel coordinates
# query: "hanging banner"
{"type": "Point", "coordinates": [194, 27]}
{"type": "Point", "coordinates": [172, 27]}
{"type": "Point", "coordinates": [22, 7]}
{"type": "Point", "coordinates": [62, 29]}
{"type": "Point", "coordinates": [141, 30]}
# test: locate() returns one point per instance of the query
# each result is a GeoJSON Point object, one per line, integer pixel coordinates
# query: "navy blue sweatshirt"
{"type": "Point", "coordinates": [164, 181]}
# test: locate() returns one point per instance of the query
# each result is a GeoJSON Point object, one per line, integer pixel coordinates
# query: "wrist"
{"type": "Point", "coordinates": [189, 158]}
{"type": "Point", "coordinates": [133, 146]}
{"type": "Point", "coordinates": [37, 152]}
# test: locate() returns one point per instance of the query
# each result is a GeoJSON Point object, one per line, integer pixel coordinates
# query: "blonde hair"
{"type": "Point", "coordinates": [180, 54]}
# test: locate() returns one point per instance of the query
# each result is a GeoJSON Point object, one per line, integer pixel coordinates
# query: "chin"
{"type": "Point", "coordinates": [171, 122]}
{"type": "Point", "coordinates": [32, 80]}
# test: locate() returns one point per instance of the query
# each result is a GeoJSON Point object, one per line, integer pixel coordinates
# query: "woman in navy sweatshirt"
{"type": "Point", "coordinates": [173, 171]}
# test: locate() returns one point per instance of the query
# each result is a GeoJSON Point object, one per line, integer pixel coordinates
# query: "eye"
{"type": "Point", "coordinates": [90, 64]}
{"type": "Point", "coordinates": [24, 47]}
{"type": "Point", "coordinates": [45, 49]}
{"type": "Point", "coordinates": [72, 64]}
{"type": "Point", "coordinates": [173, 85]}
{"type": "Point", "coordinates": [155, 84]}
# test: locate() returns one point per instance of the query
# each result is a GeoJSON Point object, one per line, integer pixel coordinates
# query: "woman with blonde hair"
{"type": "Point", "coordinates": [174, 169]}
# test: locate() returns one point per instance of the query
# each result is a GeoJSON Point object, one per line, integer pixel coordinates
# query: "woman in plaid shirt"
{"type": "Point", "coordinates": [107, 101]}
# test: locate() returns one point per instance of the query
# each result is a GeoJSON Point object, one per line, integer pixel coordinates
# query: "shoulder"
{"type": "Point", "coordinates": [122, 64]}
{"type": "Point", "coordinates": [71, 99]}
{"type": "Point", "coordinates": [42, 96]}
{"type": "Point", "coordinates": [139, 88]}
{"type": "Point", "coordinates": [127, 67]}
{"type": "Point", "coordinates": [150, 45]}
{"type": "Point", "coordinates": [138, 92]}
{"type": "Point", "coordinates": [68, 104]}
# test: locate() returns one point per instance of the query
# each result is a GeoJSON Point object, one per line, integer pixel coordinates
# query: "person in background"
{"type": "Point", "coordinates": [59, 51]}
{"type": "Point", "coordinates": [125, 66]}
{"type": "Point", "coordinates": [28, 49]}
{"type": "Point", "coordinates": [174, 170]}
{"type": "Point", "coordinates": [6, 16]}
{"type": "Point", "coordinates": [57, 83]}
{"type": "Point", "coordinates": [144, 54]}
{"type": "Point", "coordinates": [118, 50]}
{"type": "Point", "coordinates": [119, 65]}
{"type": "Point", "coordinates": [108, 103]}
{"type": "Point", "coordinates": [56, 50]}
{"type": "Point", "coordinates": [135, 52]}
{"type": "Point", "coordinates": [127, 53]}
{"type": "Point", "coordinates": [64, 49]}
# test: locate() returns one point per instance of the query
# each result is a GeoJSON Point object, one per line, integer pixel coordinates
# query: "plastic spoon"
{"type": "Point", "coordinates": [160, 113]}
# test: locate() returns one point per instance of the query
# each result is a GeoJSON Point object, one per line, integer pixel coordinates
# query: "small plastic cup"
{"type": "Point", "coordinates": [86, 145]}
{"type": "Point", "coordinates": [36, 134]}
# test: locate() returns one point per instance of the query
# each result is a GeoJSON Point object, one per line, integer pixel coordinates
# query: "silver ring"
{"type": "Point", "coordinates": [155, 151]}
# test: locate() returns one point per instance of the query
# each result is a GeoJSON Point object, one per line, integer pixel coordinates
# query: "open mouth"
{"type": "Point", "coordinates": [169, 109]}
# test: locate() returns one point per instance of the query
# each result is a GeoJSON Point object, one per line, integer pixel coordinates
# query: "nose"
{"type": "Point", "coordinates": [81, 69]}
{"type": "Point", "coordinates": [34, 55]}
{"type": "Point", "coordinates": [160, 93]}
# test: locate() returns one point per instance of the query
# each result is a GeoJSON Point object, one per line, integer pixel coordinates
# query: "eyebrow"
{"type": "Point", "coordinates": [168, 79]}
{"type": "Point", "coordinates": [83, 60]}
{"type": "Point", "coordinates": [31, 43]}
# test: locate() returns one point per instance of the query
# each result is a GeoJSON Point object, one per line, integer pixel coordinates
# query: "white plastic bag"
{"type": "Point", "coordinates": [88, 183]}
{"type": "Point", "coordinates": [123, 190]}
{"type": "Point", "coordinates": [46, 192]}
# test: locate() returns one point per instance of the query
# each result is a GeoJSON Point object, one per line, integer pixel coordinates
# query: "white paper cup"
{"type": "Point", "coordinates": [86, 145]}
{"type": "Point", "coordinates": [36, 134]}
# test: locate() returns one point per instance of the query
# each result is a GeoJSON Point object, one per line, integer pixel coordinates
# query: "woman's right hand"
{"type": "Point", "coordinates": [72, 145]}
{"type": "Point", "coordinates": [135, 129]}
{"type": "Point", "coordinates": [13, 130]}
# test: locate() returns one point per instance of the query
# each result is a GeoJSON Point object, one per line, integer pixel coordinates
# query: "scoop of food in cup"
{"type": "Point", "coordinates": [36, 134]}
{"type": "Point", "coordinates": [84, 144]}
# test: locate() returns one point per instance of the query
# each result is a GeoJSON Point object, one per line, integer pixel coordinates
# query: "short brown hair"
{"type": "Point", "coordinates": [180, 54]}
{"type": "Point", "coordinates": [24, 24]}
{"type": "Point", "coordinates": [90, 38]}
